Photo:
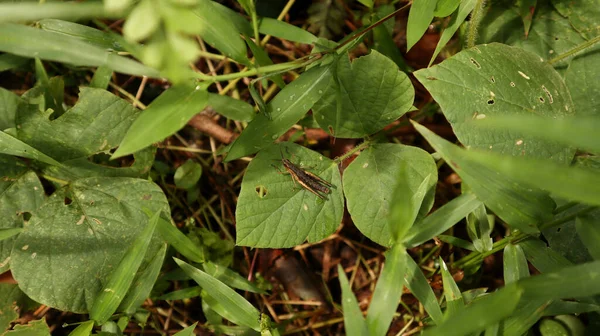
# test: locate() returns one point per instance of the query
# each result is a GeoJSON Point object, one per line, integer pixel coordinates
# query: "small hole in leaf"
{"type": "Point", "coordinates": [555, 38]}
{"type": "Point", "coordinates": [68, 201]}
{"type": "Point", "coordinates": [492, 79]}
{"type": "Point", "coordinates": [475, 63]}
{"type": "Point", "coordinates": [542, 100]}
{"type": "Point", "coordinates": [558, 230]}
{"type": "Point", "coordinates": [261, 191]}
{"type": "Point", "coordinates": [491, 102]}
{"type": "Point", "coordinates": [26, 216]}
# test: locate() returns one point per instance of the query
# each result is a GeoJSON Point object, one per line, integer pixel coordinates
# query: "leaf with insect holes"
{"type": "Point", "coordinates": [77, 237]}
{"type": "Point", "coordinates": [274, 211]}
{"type": "Point", "coordinates": [352, 108]}
{"type": "Point", "coordinates": [499, 80]}
{"type": "Point", "coordinates": [369, 183]}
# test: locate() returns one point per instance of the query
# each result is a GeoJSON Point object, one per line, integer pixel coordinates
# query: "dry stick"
{"type": "Point", "coordinates": [140, 90]}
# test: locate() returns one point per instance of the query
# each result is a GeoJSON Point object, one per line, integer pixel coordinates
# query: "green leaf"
{"type": "Point", "coordinates": [352, 108]}
{"type": "Point", "coordinates": [9, 61]}
{"type": "Point", "coordinates": [479, 315]}
{"type": "Point", "coordinates": [288, 106]}
{"type": "Point", "coordinates": [354, 322]}
{"type": "Point", "coordinates": [33, 328]}
{"type": "Point", "coordinates": [31, 42]}
{"type": "Point", "coordinates": [189, 331]}
{"type": "Point", "coordinates": [489, 81]}
{"type": "Point", "coordinates": [23, 11]}
{"type": "Point", "coordinates": [164, 116]}
{"type": "Point", "coordinates": [420, 16]}
{"type": "Point", "coordinates": [182, 294]}
{"type": "Point", "coordinates": [526, 9]}
{"type": "Point", "coordinates": [370, 180]}
{"type": "Point", "coordinates": [405, 206]}
{"type": "Point", "coordinates": [274, 211]}
{"type": "Point", "coordinates": [102, 77]}
{"type": "Point", "coordinates": [229, 277]}
{"type": "Point", "coordinates": [84, 329]}
{"type": "Point", "coordinates": [454, 299]}
{"type": "Point", "coordinates": [230, 107]}
{"type": "Point", "coordinates": [458, 242]}
{"type": "Point", "coordinates": [83, 230]}
{"type": "Point", "coordinates": [559, 307]}
{"type": "Point", "coordinates": [142, 22]}
{"type": "Point", "coordinates": [515, 264]}
{"type": "Point", "coordinates": [518, 206]}
{"type": "Point", "coordinates": [95, 124]}
{"type": "Point", "coordinates": [262, 59]}
{"type": "Point", "coordinates": [387, 292]}
{"type": "Point", "coordinates": [444, 8]}
{"type": "Point", "coordinates": [570, 282]}
{"type": "Point", "coordinates": [527, 314]}
{"type": "Point", "coordinates": [479, 229]}
{"type": "Point", "coordinates": [86, 34]}
{"type": "Point", "coordinates": [238, 309]}
{"type": "Point", "coordinates": [180, 242]}
{"type": "Point", "coordinates": [8, 108]}
{"type": "Point", "coordinates": [220, 32]}
{"type": "Point", "coordinates": [188, 174]}
{"type": "Point", "coordinates": [543, 258]}
{"type": "Point", "coordinates": [442, 219]}
{"type": "Point", "coordinates": [588, 229]}
{"type": "Point", "coordinates": [459, 16]}
{"type": "Point", "coordinates": [13, 146]}
{"type": "Point", "coordinates": [368, 3]}
{"type": "Point", "coordinates": [418, 285]}
{"type": "Point", "coordinates": [284, 30]}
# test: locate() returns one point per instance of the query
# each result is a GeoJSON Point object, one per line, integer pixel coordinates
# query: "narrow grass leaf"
{"type": "Point", "coordinates": [419, 18]}
{"type": "Point", "coordinates": [444, 8]}
{"type": "Point", "coordinates": [442, 219]}
{"type": "Point", "coordinates": [542, 257]}
{"type": "Point", "coordinates": [84, 329]}
{"type": "Point", "coordinates": [7, 233]}
{"type": "Point", "coordinates": [31, 42]}
{"type": "Point", "coordinates": [286, 31]}
{"type": "Point", "coordinates": [520, 207]}
{"type": "Point", "coordinates": [515, 264]}
{"type": "Point", "coordinates": [458, 242]}
{"type": "Point", "coordinates": [262, 59]}
{"type": "Point", "coordinates": [102, 77]}
{"type": "Point", "coordinates": [95, 37]}
{"type": "Point", "coordinates": [72, 10]}
{"type": "Point", "coordinates": [230, 278]}
{"type": "Point", "coordinates": [182, 294]}
{"type": "Point", "coordinates": [569, 282]}
{"type": "Point", "coordinates": [415, 281]}
{"type": "Point", "coordinates": [405, 205]}
{"type": "Point", "coordinates": [354, 322]}
{"type": "Point", "coordinates": [238, 309]}
{"type": "Point", "coordinates": [189, 331]}
{"type": "Point", "coordinates": [479, 229]}
{"type": "Point", "coordinates": [166, 115]}
{"type": "Point", "coordinates": [289, 106]}
{"type": "Point", "coordinates": [454, 299]}
{"type": "Point", "coordinates": [459, 16]}
{"type": "Point", "coordinates": [387, 292]}
{"type": "Point", "coordinates": [560, 307]}
{"type": "Point", "coordinates": [10, 61]}
{"type": "Point", "coordinates": [121, 278]}
{"type": "Point", "coordinates": [13, 146]}
{"type": "Point", "coordinates": [141, 288]}
{"type": "Point", "coordinates": [527, 314]}
{"type": "Point", "coordinates": [588, 229]}
{"type": "Point", "coordinates": [180, 242]}
{"type": "Point", "coordinates": [479, 315]}
{"type": "Point", "coordinates": [230, 107]}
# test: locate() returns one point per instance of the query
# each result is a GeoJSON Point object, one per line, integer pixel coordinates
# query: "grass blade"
{"type": "Point", "coordinates": [354, 322]}
{"type": "Point", "coordinates": [416, 282]}
{"type": "Point", "coordinates": [588, 230]}
{"type": "Point", "coordinates": [14, 146]}
{"type": "Point", "coordinates": [454, 299]}
{"type": "Point", "coordinates": [286, 31]}
{"type": "Point", "coordinates": [189, 331]}
{"type": "Point", "coordinates": [569, 282]}
{"type": "Point", "coordinates": [23, 11]}
{"type": "Point", "coordinates": [84, 329]}
{"type": "Point", "coordinates": [180, 242]}
{"type": "Point", "coordinates": [515, 264]}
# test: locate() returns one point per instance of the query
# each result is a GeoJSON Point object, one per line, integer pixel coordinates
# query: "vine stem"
{"type": "Point", "coordinates": [575, 50]}
{"type": "Point", "coordinates": [476, 16]}
{"type": "Point", "coordinates": [476, 257]}
{"type": "Point", "coordinates": [351, 152]}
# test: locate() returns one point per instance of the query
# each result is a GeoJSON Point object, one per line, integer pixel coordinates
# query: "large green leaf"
{"type": "Point", "coordinates": [369, 183]}
{"type": "Point", "coordinates": [365, 96]}
{"type": "Point", "coordinates": [166, 115]}
{"type": "Point", "coordinates": [499, 80]}
{"type": "Point", "coordinates": [521, 207]}
{"type": "Point", "coordinates": [419, 18]}
{"type": "Point", "coordinates": [274, 211]}
{"type": "Point", "coordinates": [95, 124]}
{"type": "Point", "coordinates": [289, 106]}
{"type": "Point", "coordinates": [31, 42]}
{"type": "Point", "coordinates": [20, 192]}
{"type": "Point", "coordinates": [78, 236]}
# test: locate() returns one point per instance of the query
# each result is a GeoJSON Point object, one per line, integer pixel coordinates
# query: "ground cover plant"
{"type": "Point", "coordinates": [184, 167]}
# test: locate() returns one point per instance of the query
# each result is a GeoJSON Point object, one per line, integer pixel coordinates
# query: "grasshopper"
{"type": "Point", "coordinates": [306, 179]}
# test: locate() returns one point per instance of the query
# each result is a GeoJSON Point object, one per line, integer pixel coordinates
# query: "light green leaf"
{"type": "Point", "coordinates": [354, 322]}
{"type": "Point", "coordinates": [229, 277]}
{"type": "Point", "coordinates": [570, 282]}
{"type": "Point", "coordinates": [8, 108]}
{"type": "Point", "coordinates": [518, 206]}
{"type": "Point", "coordinates": [498, 80]}
{"type": "Point", "coordinates": [84, 329]}
{"type": "Point", "coordinates": [387, 292]}
{"type": "Point", "coordinates": [230, 107]}
{"type": "Point", "coordinates": [418, 285]}
{"type": "Point", "coordinates": [86, 34]}
{"type": "Point", "coordinates": [458, 242]}
{"type": "Point", "coordinates": [368, 3]}
{"type": "Point", "coordinates": [454, 299]}
{"type": "Point", "coordinates": [420, 16]}
{"type": "Point", "coordinates": [482, 313]}
{"type": "Point", "coordinates": [284, 30]}
{"type": "Point", "coordinates": [588, 229]}
{"type": "Point", "coordinates": [262, 59]}
{"type": "Point", "coordinates": [33, 328]}
{"type": "Point", "coordinates": [142, 22]}
{"type": "Point", "coordinates": [10, 61]}
{"type": "Point", "coordinates": [405, 206]}
{"type": "Point", "coordinates": [238, 309]}
{"type": "Point", "coordinates": [83, 230]}
{"type": "Point", "coordinates": [26, 11]}
{"type": "Point", "coordinates": [31, 42]}
{"type": "Point", "coordinates": [515, 264]}
{"type": "Point", "coordinates": [479, 229]}
{"type": "Point", "coordinates": [370, 180]}
{"type": "Point", "coordinates": [288, 106]}
{"type": "Point", "coordinates": [444, 8]}
{"type": "Point", "coordinates": [117, 5]}
{"type": "Point", "coordinates": [189, 331]}
{"type": "Point", "coordinates": [180, 242]}
{"type": "Point", "coordinates": [13, 146]}
{"type": "Point", "coordinates": [166, 115]}
{"type": "Point", "coordinates": [459, 16]}
{"type": "Point", "coordinates": [188, 174]}
{"type": "Point", "coordinates": [442, 219]}
{"type": "Point", "coordinates": [352, 108]}
{"type": "Point", "coordinates": [274, 211]}
{"type": "Point", "coordinates": [102, 77]}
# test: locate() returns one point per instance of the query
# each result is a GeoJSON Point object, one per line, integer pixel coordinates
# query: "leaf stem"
{"type": "Point", "coordinates": [476, 16]}
{"type": "Point", "coordinates": [55, 180]}
{"type": "Point", "coordinates": [351, 152]}
{"type": "Point", "coordinates": [574, 50]}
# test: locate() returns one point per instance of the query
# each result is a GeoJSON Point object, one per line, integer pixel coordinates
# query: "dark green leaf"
{"type": "Point", "coordinates": [543, 258]}
{"type": "Point", "coordinates": [8, 108]}
{"type": "Point", "coordinates": [10, 61]}
{"type": "Point", "coordinates": [588, 229]}
{"type": "Point", "coordinates": [13, 146]}
{"type": "Point", "coordinates": [34, 328]}
{"type": "Point", "coordinates": [188, 174]}
{"type": "Point", "coordinates": [189, 331]}
{"type": "Point", "coordinates": [230, 107]}
{"type": "Point", "coordinates": [479, 229]}
{"type": "Point", "coordinates": [416, 282]}
{"type": "Point", "coordinates": [262, 59]}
